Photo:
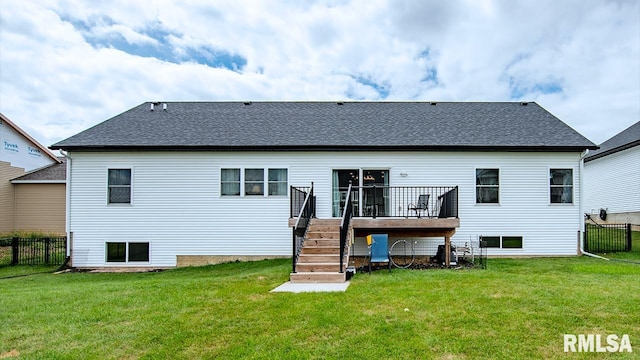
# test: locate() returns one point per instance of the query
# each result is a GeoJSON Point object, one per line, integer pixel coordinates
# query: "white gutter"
{"type": "Point", "coordinates": [581, 232]}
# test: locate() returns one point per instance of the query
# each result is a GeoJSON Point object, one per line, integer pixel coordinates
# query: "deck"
{"type": "Point", "coordinates": [319, 261]}
{"type": "Point", "coordinates": [321, 246]}
{"type": "Point", "coordinates": [410, 227]}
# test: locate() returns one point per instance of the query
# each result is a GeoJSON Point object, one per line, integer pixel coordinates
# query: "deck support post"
{"type": "Point", "coordinates": [447, 250]}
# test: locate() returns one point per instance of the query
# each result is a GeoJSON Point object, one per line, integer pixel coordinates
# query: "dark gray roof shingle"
{"type": "Point", "coordinates": [54, 172]}
{"type": "Point", "coordinates": [330, 125]}
{"type": "Point", "coordinates": [625, 139]}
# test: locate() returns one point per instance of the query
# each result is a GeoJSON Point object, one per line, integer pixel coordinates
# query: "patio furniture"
{"type": "Point", "coordinates": [422, 205]}
{"type": "Point", "coordinates": [378, 249]}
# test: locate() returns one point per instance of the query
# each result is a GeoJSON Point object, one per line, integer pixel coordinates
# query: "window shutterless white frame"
{"type": "Point", "coordinates": [254, 182]}
{"type": "Point", "coordinates": [500, 240]}
{"type": "Point", "coordinates": [497, 186]}
{"type": "Point", "coordinates": [127, 252]}
{"type": "Point", "coordinates": [514, 237]}
{"type": "Point", "coordinates": [236, 181]}
{"type": "Point", "coordinates": [551, 186]}
{"type": "Point", "coordinates": [278, 183]}
{"type": "Point", "coordinates": [246, 184]}
{"type": "Point", "coordinates": [493, 238]}
{"type": "Point", "coordinates": [120, 186]}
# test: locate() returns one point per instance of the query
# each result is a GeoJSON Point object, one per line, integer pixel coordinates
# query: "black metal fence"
{"type": "Point", "coordinates": [298, 195]}
{"type": "Point", "coordinates": [306, 211]}
{"type": "Point", "coordinates": [399, 201]}
{"type": "Point", "coordinates": [482, 258]}
{"type": "Point", "coordinates": [33, 251]}
{"type": "Point", "coordinates": [406, 201]}
{"type": "Point", "coordinates": [604, 238]}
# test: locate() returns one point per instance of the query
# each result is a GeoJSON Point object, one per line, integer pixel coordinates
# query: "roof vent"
{"type": "Point", "coordinates": [524, 103]}
{"type": "Point", "coordinates": [247, 102]}
{"type": "Point", "coordinates": [433, 103]}
{"type": "Point", "coordinates": [340, 103]}
{"type": "Point", "coordinates": [151, 109]}
{"type": "Point", "coordinates": [164, 107]}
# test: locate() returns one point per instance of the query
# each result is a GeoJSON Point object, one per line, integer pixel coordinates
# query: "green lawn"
{"type": "Point", "coordinates": [516, 309]}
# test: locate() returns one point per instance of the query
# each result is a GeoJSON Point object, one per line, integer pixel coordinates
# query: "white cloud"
{"type": "Point", "coordinates": [579, 62]}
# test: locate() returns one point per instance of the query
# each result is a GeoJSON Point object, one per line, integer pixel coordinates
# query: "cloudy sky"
{"type": "Point", "coordinates": [68, 65]}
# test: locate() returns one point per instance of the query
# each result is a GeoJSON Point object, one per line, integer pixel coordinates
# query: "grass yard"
{"type": "Point", "coordinates": [516, 309]}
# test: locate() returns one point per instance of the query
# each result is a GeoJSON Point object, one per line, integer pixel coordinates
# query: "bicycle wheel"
{"type": "Point", "coordinates": [402, 254]}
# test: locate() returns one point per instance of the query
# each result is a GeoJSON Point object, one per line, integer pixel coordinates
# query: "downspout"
{"type": "Point", "coordinates": [67, 210]}
{"type": "Point", "coordinates": [581, 231]}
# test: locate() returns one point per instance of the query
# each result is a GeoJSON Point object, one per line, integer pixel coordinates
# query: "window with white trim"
{"type": "Point", "coordinates": [278, 182]}
{"type": "Point", "coordinates": [503, 242]}
{"type": "Point", "coordinates": [119, 186]}
{"type": "Point", "coordinates": [254, 182]}
{"type": "Point", "coordinates": [230, 182]}
{"type": "Point", "coordinates": [127, 252]}
{"type": "Point", "coordinates": [561, 186]}
{"type": "Point", "coordinates": [487, 186]}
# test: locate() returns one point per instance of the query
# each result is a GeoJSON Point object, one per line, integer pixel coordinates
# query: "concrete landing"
{"type": "Point", "coordinates": [312, 287]}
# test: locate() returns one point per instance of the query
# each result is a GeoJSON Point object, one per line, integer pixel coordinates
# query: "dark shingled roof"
{"type": "Point", "coordinates": [624, 140]}
{"type": "Point", "coordinates": [331, 126]}
{"type": "Point", "coordinates": [50, 173]}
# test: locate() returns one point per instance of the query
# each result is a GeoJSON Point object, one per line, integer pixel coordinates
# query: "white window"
{"type": "Point", "coordinates": [561, 186]}
{"type": "Point", "coordinates": [127, 252]}
{"type": "Point", "coordinates": [278, 182]}
{"type": "Point", "coordinates": [230, 182]}
{"type": "Point", "coordinates": [119, 186]}
{"type": "Point", "coordinates": [254, 181]}
{"type": "Point", "coordinates": [487, 186]}
{"type": "Point", "coordinates": [504, 242]}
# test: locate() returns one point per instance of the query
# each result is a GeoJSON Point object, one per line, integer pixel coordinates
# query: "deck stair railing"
{"type": "Point", "coordinates": [347, 213]}
{"type": "Point", "coordinates": [306, 211]}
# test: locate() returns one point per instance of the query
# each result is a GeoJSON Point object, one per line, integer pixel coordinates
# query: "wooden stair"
{"type": "Point", "coordinates": [319, 259]}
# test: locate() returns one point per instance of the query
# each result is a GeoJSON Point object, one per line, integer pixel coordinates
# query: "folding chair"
{"type": "Point", "coordinates": [378, 249]}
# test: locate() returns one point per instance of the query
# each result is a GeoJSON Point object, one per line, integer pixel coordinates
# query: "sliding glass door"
{"type": "Point", "coordinates": [375, 200]}
{"type": "Point", "coordinates": [341, 181]}
{"type": "Point", "coordinates": [375, 192]}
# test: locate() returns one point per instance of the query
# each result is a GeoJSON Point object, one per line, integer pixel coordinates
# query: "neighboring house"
{"type": "Point", "coordinates": [40, 199]}
{"type": "Point", "coordinates": [178, 183]}
{"type": "Point", "coordinates": [19, 154]}
{"type": "Point", "coordinates": [612, 179]}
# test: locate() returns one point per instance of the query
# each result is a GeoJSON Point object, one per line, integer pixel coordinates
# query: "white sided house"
{"type": "Point", "coordinates": [612, 179]}
{"type": "Point", "coordinates": [180, 183]}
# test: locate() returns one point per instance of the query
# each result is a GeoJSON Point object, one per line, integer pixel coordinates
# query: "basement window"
{"type": "Point", "coordinates": [127, 252]}
{"type": "Point", "coordinates": [503, 242]}
{"type": "Point", "coordinates": [512, 242]}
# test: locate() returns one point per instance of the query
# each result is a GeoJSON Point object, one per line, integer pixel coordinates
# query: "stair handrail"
{"type": "Point", "coordinates": [307, 211]}
{"type": "Point", "coordinates": [347, 213]}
